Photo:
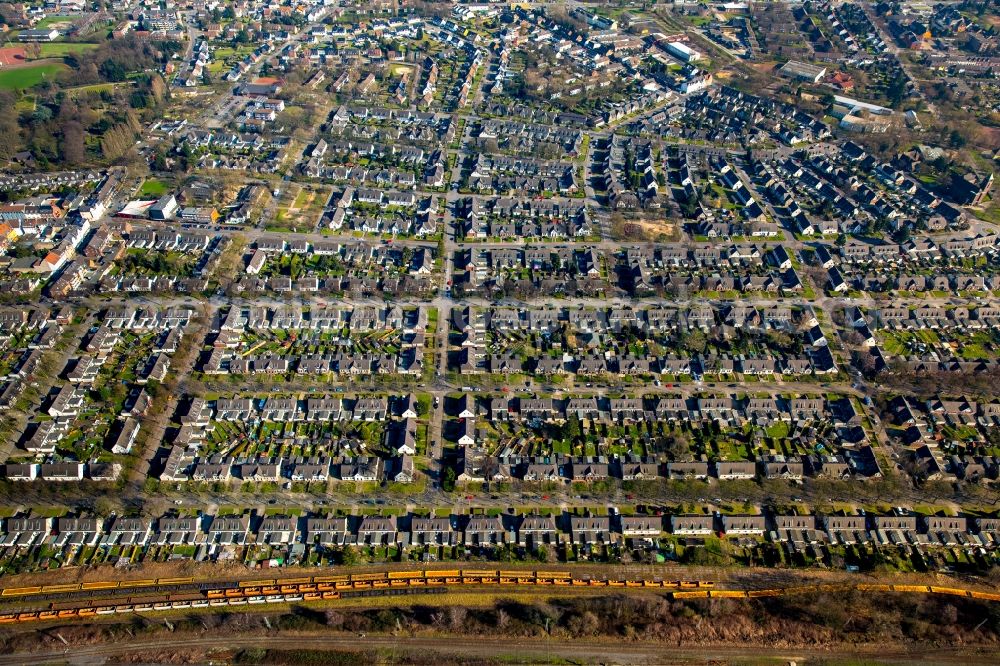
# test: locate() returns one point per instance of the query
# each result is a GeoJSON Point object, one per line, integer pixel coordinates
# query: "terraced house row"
{"type": "Point", "coordinates": [652, 319]}
{"type": "Point", "coordinates": [530, 530]}
{"type": "Point", "coordinates": [476, 465]}
{"type": "Point", "coordinates": [732, 409]}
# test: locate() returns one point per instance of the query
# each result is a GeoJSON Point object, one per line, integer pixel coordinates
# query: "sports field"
{"type": "Point", "coordinates": [60, 49]}
{"type": "Point", "coordinates": [27, 77]}
{"type": "Point", "coordinates": [54, 20]}
{"type": "Point", "coordinates": [12, 55]}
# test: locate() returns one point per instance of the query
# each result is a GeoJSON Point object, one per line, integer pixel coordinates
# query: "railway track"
{"type": "Point", "coordinates": [145, 596]}
{"type": "Point", "coordinates": [93, 586]}
{"type": "Point", "coordinates": [346, 581]}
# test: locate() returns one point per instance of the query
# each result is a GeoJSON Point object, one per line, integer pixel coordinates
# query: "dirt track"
{"type": "Point", "coordinates": [17, 60]}
{"type": "Point", "coordinates": [196, 650]}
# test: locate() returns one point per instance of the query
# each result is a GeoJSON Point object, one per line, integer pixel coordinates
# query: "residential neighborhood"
{"type": "Point", "coordinates": [689, 283]}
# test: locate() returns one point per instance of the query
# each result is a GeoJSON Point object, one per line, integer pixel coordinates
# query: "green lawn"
{"type": "Point", "coordinates": [26, 103]}
{"type": "Point", "coordinates": [49, 20]}
{"type": "Point", "coordinates": [94, 88]}
{"type": "Point", "coordinates": [894, 342]}
{"type": "Point", "coordinates": [977, 345]}
{"type": "Point", "coordinates": [152, 187]}
{"type": "Point", "coordinates": [965, 433]}
{"type": "Point", "coordinates": [224, 52]}
{"type": "Point", "coordinates": [399, 70]}
{"type": "Point", "coordinates": [60, 49]}
{"type": "Point", "coordinates": [892, 345]}
{"type": "Point", "coordinates": [778, 430]}
{"type": "Point", "coordinates": [27, 77]}
{"type": "Point", "coordinates": [301, 199]}
{"type": "Point", "coordinates": [973, 351]}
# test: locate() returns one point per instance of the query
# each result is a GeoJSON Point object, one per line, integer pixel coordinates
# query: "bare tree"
{"type": "Point", "coordinates": [73, 147]}
{"type": "Point", "coordinates": [456, 617]}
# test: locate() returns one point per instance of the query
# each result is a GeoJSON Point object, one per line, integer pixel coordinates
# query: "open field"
{"type": "Point", "coordinates": [300, 207]}
{"type": "Point", "coordinates": [229, 52]}
{"type": "Point", "coordinates": [27, 77]}
{"type": "Point", "coordinates": [60, 49]}
{"type": "Point", "coordinates": [153, 187]}
{"type": "Point", "coordinates": [95, 88]}
{"type": "Point", "coordinates": [54, 20]}
{"type": "Point", "coordinates": [643, 229]}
